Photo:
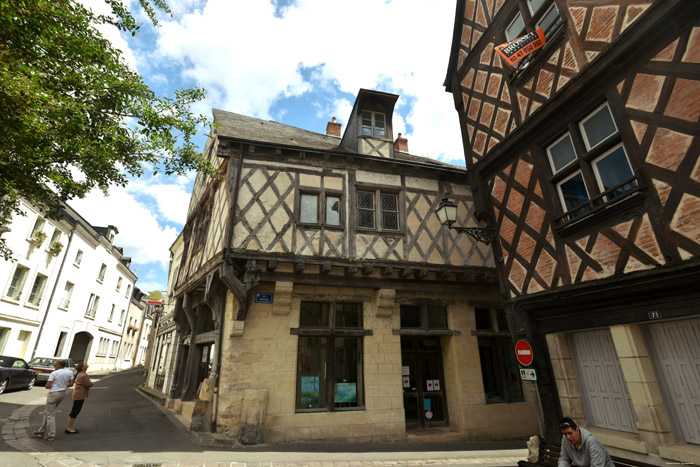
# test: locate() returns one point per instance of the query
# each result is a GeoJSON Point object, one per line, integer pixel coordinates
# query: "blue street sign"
{"type": "Point", "coordinates": [264, 297]}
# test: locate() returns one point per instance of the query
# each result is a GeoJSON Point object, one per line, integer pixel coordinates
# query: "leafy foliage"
{"type": "Point", "coordinates": [73, 115]}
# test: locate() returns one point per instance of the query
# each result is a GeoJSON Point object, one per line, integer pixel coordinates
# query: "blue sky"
{"type": "Point", "coordinates": [299, 62]}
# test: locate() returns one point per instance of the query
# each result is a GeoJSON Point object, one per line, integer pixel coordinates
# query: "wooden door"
{"type": "Point", "coordinates": [676, 351]}
{"type": "Point", "coordinates": [605, 395]}
{"type": "Point", "coordinates": [425, 401]}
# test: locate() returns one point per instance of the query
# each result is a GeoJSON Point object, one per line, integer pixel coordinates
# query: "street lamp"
{"type": "Point", "coordinates": [447, 213]}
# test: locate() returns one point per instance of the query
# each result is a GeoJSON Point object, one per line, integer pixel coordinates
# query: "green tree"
{"type": "Point", "coordinates": [73, 115]}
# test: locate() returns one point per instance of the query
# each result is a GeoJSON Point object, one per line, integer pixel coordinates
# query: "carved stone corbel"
{"type": "Point", "coordinates": [384, 299]}
{"type": "Point", "coordinates": [283, 298]}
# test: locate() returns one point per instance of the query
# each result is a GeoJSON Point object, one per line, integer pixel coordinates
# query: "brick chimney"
{"type": "Point", "coordinates": [401, 144]}
{"type": "Point", "coordinates": [333, 128]}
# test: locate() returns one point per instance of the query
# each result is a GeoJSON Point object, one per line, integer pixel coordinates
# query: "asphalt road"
{"type": "Point", "coordinates": [119, 426]}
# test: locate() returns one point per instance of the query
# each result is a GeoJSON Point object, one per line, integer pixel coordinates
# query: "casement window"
{"type": "Point", "coordinates": [93, 303]}
{"type": "Point", "coordinates": [589, 164]}
{"type": "Point", "coordinates": [119, 284]}
{"type": "Point", "coordinates": [115, 346]}
{"type": "Point", "coordinates": [111, 313]}
{"type": "Point", "coordinates": [329, 358]}
{"type": "Point", "coordinates": [373, 124]}
{"type": "Point", "coordinates": [378, 210]}
{"type": "Point", "coordinates": [101, 275]}
{"type": "Point", "coordinates": [78, 258]}
{"type": "Point", "coordinates": [128, 290]}
{"type": "Point", "coordinates": [121, 318]}
{"type": "Point", "coordinates": [38, 228]}
{"type": "Point", "coordinates": [103, 346]}
{"type": "Point", "coordinates": [67, 294]}
{"type": "Point", "coordinates": [37, 289]}
{"type": "Point", "coordinates": [320, 208]}
{"type": "Point", "coordinates": [14, 291]}
{"type": "Point", "coordinates": [499, 368]}
{"type": "Point", "coordinates": [532, 15]}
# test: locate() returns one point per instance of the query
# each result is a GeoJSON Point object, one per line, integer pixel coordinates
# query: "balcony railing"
{"type": "Point", "coordinates": [600, 203]}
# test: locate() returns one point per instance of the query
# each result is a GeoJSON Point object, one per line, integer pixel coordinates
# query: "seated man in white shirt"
{"type": "Point", "coordinates": [59, 381]}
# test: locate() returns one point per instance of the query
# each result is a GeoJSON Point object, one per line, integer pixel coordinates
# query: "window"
{"type": "Point", "coordinates": [424, 316]}
{"type": "Point", "coordinates": [101, 275]}
{"type": "Point", "coordinates": [499, 368]}
{"type": "Point", "coordinates": [78, 258]}
{"type": "Point", "coordinates": [102, 348]}
{"type": "Point", "coordinates": [115, 345]}
{"type": "Point", "coordinates": [128, 290]}
{"type": "Point", "coordinates": [320, 208]}
{"type": "Point", "coordinates": [55, 237]}
{"type": "Point", "coordinates": [38, 228]}
{"type": "Point", "coordinates": [373, 124]}
{"type": "Point", "coordinates": [14, 291]}
{"type": "Point", "coordinates": [37, 289]}
{"type": "Point", "coordinates": [119, 284]}
{"type": "Point", "coordinates": [329, 365]}
{"type": "Point", "coordinates": [111, 314]}
{"type": "Point", "coordinates": [93, 303]}
{"type": "Point", "coordinates": [121, 318]}
{"type": "Point", "coordinates": [61, 343]}
{"type": "Point", "coordinates": [590, 162]}
{"type": "Point", "coordinates": [388, 210]}
{"type": "Point", "coordinates": [532, 15]}
{"type": "Point", "coordinates": [67, 294]}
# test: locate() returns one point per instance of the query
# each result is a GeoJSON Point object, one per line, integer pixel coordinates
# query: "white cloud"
{"type": "Point", "coordinates": [140, 234]}
{"type": "Point", "coordinates": [247, 58]}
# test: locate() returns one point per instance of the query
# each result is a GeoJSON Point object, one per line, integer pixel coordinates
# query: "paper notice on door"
{"type": "Point", "coordinates": [405, 370]}
{"type": "Point", "coordinates": [406, 382]}
{"type": "Point", "coordinates": [430, 385]}
{"type": "Point", "coordinates": [436, 385]}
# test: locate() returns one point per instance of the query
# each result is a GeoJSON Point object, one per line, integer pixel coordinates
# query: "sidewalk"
{"type": "Point", "coordinates": [120, 426]}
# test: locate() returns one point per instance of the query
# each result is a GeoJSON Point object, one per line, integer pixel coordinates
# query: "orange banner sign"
{"type": "Point", "coordinates": [517, 49]}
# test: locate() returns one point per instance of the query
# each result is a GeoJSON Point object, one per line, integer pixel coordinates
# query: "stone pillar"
{"type": "Point", "coordinates": [570, 398]}
{"type": "Point", "coordinates": [652, 419]}
{"type": "Point", "coordinates": [253, 416]}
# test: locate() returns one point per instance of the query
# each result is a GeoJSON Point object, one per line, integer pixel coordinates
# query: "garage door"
{"type": "Point", "coordinates": [605, 395]}
{"type": "Point", "coordinates": [676, 347]}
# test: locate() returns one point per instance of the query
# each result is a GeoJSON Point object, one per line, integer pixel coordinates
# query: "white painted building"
{"type": "Point", "coordinates": [137, 327]}
{"type": "Point", "coordinates": [67, 302]}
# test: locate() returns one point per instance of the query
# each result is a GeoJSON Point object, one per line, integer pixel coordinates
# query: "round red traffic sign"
{"type": "Point", "coordinates": [523, 352]}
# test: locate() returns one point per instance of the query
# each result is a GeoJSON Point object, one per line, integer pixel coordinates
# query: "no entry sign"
{"type": "Point", "coordinates": [523, 352]}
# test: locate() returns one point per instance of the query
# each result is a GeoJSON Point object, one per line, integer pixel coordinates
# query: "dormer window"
{"type": "Point", "coordinates": [373, 123]}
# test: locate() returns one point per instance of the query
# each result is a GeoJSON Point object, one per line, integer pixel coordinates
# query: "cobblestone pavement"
{"type": "Point", "coordinates": [142, 434]}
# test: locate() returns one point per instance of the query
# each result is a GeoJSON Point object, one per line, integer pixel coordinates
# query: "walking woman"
{"type": "Point", "coordinates": [80, 393]}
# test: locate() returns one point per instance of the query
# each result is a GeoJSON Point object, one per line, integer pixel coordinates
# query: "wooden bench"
{"type": "Point", "coordinates": [548, 456]}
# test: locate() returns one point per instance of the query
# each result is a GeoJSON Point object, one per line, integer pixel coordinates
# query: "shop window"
{"type": "Point", "coordinates": [330, 356]}
{"type": "Point", "coordinates": [320, 208]}
{"type": "Point", "coordinates": [424, 316]}
{"type": "Point", "coordinates": [499, 367]}
{"type": "Point", "coordinates": [590, 167]}
{"type": "Point", "coordinates": [382, 215]}
{"type": "Point", "coordinates": [373, 124]}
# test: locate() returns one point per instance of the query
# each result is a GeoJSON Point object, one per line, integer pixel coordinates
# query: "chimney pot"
{"type": "Point", "coordinates": [401, 144]}
{"type": "Point", "coordinates": [333, 128]}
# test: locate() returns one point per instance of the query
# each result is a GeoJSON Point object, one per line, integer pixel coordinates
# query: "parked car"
{"type": "Point", "coordinates": [44, 366]}
{"type": "Point", "coordinates": [15, 373]}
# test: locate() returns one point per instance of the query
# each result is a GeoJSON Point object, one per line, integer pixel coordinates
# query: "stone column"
{"type": "Point", "coordinates": [652, 419]}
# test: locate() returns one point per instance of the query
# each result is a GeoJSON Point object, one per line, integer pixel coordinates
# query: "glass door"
{"type": "Point", "coordinates": [425, 403]}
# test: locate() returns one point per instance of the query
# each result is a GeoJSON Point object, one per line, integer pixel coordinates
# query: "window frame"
{"type": "Point", "coordinates": [500, 342]}
{"type": "Point", "coordinates": [20, 285]}
{"type": "Point", "coordinates": [67, 295]}
{"type": "Point", "coordinates": [378, 210]}
{"type": "Point", "coordinates": [322, 196]}
{"type": "Point", "coordinates": [331, 332]}
{"type": "Point", "coordinates": [37, 294]}
{"type": "Point", "coordinates": [586, 158]}
{"type": "Point", "coordinates": [93, 304]}
{"type": "Point", "coordinates": [103, 272]}
{"type": "Point", "coordinates": [373, 129]}
{"type": "Point", "coordinates": [78, 258]}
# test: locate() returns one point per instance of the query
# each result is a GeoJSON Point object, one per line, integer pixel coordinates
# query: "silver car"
{"type": "Point", "coordinates": [44, 366]}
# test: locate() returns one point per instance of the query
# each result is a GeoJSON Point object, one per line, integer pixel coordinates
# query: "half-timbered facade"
{"type": "Point", "coordinates": [318, 296]}
{"type": "Point", "coordinates": [585, 158]}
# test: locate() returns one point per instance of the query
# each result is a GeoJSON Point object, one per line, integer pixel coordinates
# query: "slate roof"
{"type": "Point", "coordinates": [253, 129]}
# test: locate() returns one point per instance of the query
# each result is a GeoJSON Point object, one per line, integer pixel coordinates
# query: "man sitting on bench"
{"type": "Point", "coordinates": [580, 448]}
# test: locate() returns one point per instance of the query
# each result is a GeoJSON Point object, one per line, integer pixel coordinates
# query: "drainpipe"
{"type": "Point", "coordinates": [53, 291]}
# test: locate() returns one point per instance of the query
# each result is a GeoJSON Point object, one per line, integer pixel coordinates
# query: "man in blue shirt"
{"type": "Point", "coordinates": [59, 381]}
{"type": "Point", "coordinates": [580, 448]}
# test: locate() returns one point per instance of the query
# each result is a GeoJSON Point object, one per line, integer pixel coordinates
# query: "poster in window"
{"type": "Point", "coordinates": [430, 385]}
{"type": "Point", "coordinates": [345, 392]}
{"type": "Point", "coordinates": [310, 390]}
{"type": "Point", "coordinates": [436, 385]}
{"type": "Point", "coordinates": [406, 382]}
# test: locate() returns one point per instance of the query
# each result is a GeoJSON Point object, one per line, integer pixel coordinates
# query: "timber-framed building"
{"type": "Point", "coordinates": [318, 296]}
{"type": "Point", "coordinates": [585, 158]}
